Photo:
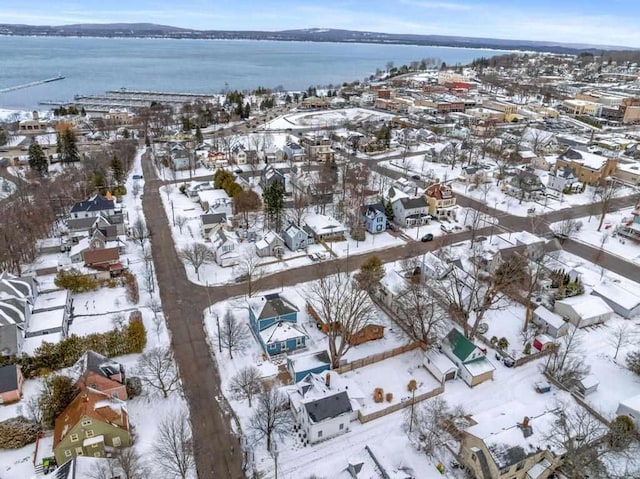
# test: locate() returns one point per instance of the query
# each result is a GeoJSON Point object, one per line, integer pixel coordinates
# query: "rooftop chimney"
{"type": "Point", "coordinates": [525, 422]}
{"type": "Point", "coordinates": [327, 380]}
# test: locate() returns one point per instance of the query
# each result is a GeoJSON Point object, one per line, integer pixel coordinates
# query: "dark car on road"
{"type": "Point", "coordinates": [415, 177]}
{"type": "Point", "coordinates": [427, 237]}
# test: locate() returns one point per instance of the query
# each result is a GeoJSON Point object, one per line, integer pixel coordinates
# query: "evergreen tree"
{"type": "Point", "coordinates": [37, 159]}
{"type": "Point", "coordinates": [4, 137]}
{"type": "Point", "coordinates": [66, 146]}
{"type": "Point", "coordinates": [273, 198]}
{"type": "Point", "coordinates": [388, 210]}
{"type": "Point", "coordinates": [199, 138]}
{"type": "Point", "coordinates": [117, 170]}
{"type": "Point", "coordinates": [246, 111]}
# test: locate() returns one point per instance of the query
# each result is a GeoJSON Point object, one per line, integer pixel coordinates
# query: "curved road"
{"type": "Point", "coordinates": [217, 450]}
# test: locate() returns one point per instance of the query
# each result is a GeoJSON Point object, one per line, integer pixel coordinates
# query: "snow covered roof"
{"type": "Point", "coordinates": [51, 300]}
{"type": "Point", "coordinates": [440, 361]}
{"type": "Point", "coordinates": [631, 403]}
{"type": "Point", "coordinates": [625, 296]}
{"type": "Point", "coordinates": [328, 407]}
{"type": "Point", "coordinates": [322, 224]}
{"type": "Point", "coordinates": [393, 282]}
{"type": "Point", "coordinates": [46, 320]}
{"type": "Point", "coordinates": [586, 306]}
{"type": "Point", "coordinates": [307, 361]}
{"type": "Point", "coordinates": [281, 331]}
{"type": "Point", "coordinates": [549, 317]}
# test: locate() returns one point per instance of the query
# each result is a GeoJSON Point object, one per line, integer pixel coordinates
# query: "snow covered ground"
{"type": "Point", "coordinates": [606, 237]}
{"type": "Point", "coordinates": [324, 119]}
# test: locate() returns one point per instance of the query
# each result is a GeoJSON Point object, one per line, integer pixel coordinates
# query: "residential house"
{"type": "Point", "coordinates": [239, 155]}
{"type": "Point", "coordinates": [92, 423]}
{"type": "Point", "coordinates": [271, 244]}
{"type": "Point", "coordinates": [19, 287]}
{"type": "Point", "coordinates": [440, 366]}
{"type": "Point", "coordinates": [318, 148]}
{"type": "Point", "coordinates": [270, 175]}
{"type": "Point", "coordinates": [102, 374]}
{"type": "Point", "coordinates": [11, 381]}
{"type": "Point", "coordinates": [323, 406]}
{"type": "Point", "coordinates": [433, 267]}
{"type": "Point", "coordinates": [324, 228]}
{"type": "Point", "coordinates": [474, 174]}
{"type": "Point", "coordinates": [296, 238]}
{"type": "Point", "coordinates": [194, 188]}
{"type": "Point", "coordinates": [442, 201]}
{"type": "Point", "coordinates": [526, 185]}
{"type": "Point", "coordinates": [97, 205]}
{"type": "Point", "coordinates": [179, 157]}
{"type": "Point", "coordinates": [14, 316]}
{"type": "Point", "coordinates": [624, 299]}
{"type": "Point", "coordinates": [105, 260]}
{"type": "Point", "coordinates": [588, 167]}
{"type": "Point", "coordinates": [273, 320]}
{"type": "Point", "coordinates": [225, 248]}
{"type": "Point", "coordinates": [550, 323]}
{"type": "Point", "coordinates": [510, 442]}
{"type": "Point", "coordinates": [392, 287]}
{"type": "Point", "coordinates": [473, 366]}
{"type": "Point", "coordinates": [630, 227]}
{"type": "Point", "coordinates": [374, 218]}
{"type": "Point", "coordinates": [409, 212]}
{"type": "Point", "coordinates": [630, 407]}
{"type": "Point", "coordinates": [210, 223]}
{"type": "Point", "coordinates": [629, 172]}
{"type": "Point", "coordinates": [293, 151]}
{"type": "Point", "coordinates": [51, 314]}
{"type": "Point", "coordinates": [216, 201]}
{"type": "Point", "coordinates": [563, 179]}
{"type": "Point", "coordinates": [583, 310]}
{"type": "Point", "coordinates": [214, 159]}
{"type": "Point", "coordinates": [301, 365]}
{"type": "Point", "coordinates": [272, 154]}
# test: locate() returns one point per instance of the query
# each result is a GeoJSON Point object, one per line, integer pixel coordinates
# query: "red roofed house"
{"type": "Point", "coordinates": [442, 201]}
{"type": "Point", "coordinates": [98, 372]}
{"type": "Point", "coordinates": [104, 259]}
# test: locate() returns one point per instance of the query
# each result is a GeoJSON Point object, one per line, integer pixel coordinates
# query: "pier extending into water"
{"type": "Point", "coordinates": [124, 98]}
{"type": "Point", "coordinates": [31, 84]}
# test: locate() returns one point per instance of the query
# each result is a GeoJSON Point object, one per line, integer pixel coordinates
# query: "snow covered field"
{"type": "Point", "coordinates": [323, 119]}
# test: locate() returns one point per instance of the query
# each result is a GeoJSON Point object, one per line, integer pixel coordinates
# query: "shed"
{"type": "Point", "coordinates": [588, 384]}
{"type": "Point", "coordinates": [623, 299]}
{"type": "Point", "coordinates": [630, 407]}
{"type": "Point", "coordinates": [551, 323]}
{"type": "Point", "coordinates": [542, 342]}
{"type": "Point", "coordinates": [300, 365]}
{"type": "Point", "coordinates": [584, 310]}
{"type": "Point", "coordinates": [440, 366]}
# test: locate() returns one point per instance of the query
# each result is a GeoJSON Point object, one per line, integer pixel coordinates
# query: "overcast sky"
{"type": "Point", "coordinates": [612, 22]}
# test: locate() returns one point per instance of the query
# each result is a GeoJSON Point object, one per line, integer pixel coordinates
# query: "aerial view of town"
{"type": "Point", "coordinates": [266, 253]}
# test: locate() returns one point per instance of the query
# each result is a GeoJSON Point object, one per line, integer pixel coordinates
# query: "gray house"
{"type": "Point", "coordinates": [296, 238]}
{"type": "Point", "coordinates": [563, 178]}
{"type": "Point", "coordinates": [270, 245]}
{"type": "Point", "coordinates": [623, 300]}
{"type": "Point", "coordinates": [211, 222]}
{"type": "Point", "coordinates": [374, 218]}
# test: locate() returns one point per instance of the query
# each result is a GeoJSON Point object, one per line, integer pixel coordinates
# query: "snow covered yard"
{"type": "Point", "coordinates": [320, 119]}
{"type": "Point", "coordinates": [606, 237]}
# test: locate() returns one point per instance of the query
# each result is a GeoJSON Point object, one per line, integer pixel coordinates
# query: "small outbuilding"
{"type": "Point", "coordinates": [301, 365]}
{"type": "Point", "coordinates": [11, 381]}
{"type": "Point", "coordinates": [588, 384]}
{"type": "Point", "coordinates": [623, 299]}
{"type": "Point", "coordinates": [630, 407]}
{"type": "Point", "coordinates": [440, 366]}
{"type": "Point", "coordinates": [584, 310]}
{"type": "Point", "coordinates": [552, 324]}
{"type": "Point", "coordinates": [543, 342]}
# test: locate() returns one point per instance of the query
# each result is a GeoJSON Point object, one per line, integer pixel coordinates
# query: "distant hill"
{"type": "Point", "coordinates": [151, 30]}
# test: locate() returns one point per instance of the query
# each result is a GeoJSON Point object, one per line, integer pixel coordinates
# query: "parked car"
{"type": "Point", "coordinates": [542, 387]}
{"type": "Point", "coordinates": [415, 177]}
{"type": "Point", "coordinates": [427, 237]}
{"type": "Point", "coordinates": [509, 361]}
{"type": "Point", "coordinates": [445, 228]}
{"type": "Point", "coordinates": [237, 171]}
{"type": "Point", "coordinates": [137, 177]}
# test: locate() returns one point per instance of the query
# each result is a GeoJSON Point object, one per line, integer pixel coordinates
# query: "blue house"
{"type": "Point", "coordinates": [274, 320]}
{"type": "Point", "coordinates": [296, 238]}
{"type": "Point", "coordinates": [301, 365]}
{"type": "Point", "coordinates": [374, 218]}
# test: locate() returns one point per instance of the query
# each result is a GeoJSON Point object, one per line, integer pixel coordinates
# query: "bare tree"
{"type": "Point", "coordinates": [181, 221]}
{"type": "Point", "coordinates": [246, 383]}
{"type": "Point", "coordinates": [300, 206]}
{"type": "Point", "coordinates": [245, 203]}
{"type": "Point", "coordinates": [250, 268]}
{"type": "Point", "coordinates": [32, 409]}
{"type": "Point", "coordinates": [567, 228]}
{"type": "Point", "coordinates": [620, 336]}
{"type": "Point", "coordinates": [419, 314]}
{"type": "Point", "coordinates": [428, 424]}
{"type": "Point", "coordinates": [343, 307]}
{"type": "Point", "coordinates": [140, 232]}
{"type": "Point", "coordinates": [135, 189]}
{"type": "Point", "coordinates": [566, 364]}
{"type": "Point", "coordinates": [173, 447]}
{"type": "Point", "coordinates": [157, 370]}
{"type": "Point", "coordinates": [125, 463]}
{"type": "Point", "coordinates": [196, 255]}
{"type": "Point", "coordinates": [271, 418]}
{"type": "Point", "coordinates": [606, 191]}
{"type": "Point", "coordinates": [233, 334]}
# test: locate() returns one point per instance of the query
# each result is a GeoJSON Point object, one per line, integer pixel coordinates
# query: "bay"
{"type": "Point", "coordinates": [95, 65]}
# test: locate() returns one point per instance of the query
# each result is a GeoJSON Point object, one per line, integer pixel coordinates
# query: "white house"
{"type": "Point", "coordinates": [583, 310]}
{"type": "Point", "coordinates": [551, 323]}
{"type": "Point", "coordinates": [630, 407]}
{"type": "Point", "coordinates": [323, 405]}
{"type": "Point", "coordinates": [216, 201]}
{"type": "Point", "coordinates": [225, 248]}
{"type": "Point", "coordinates": [411, 211]}
{"type": "Point", "coordinates": [324, 227]}
{"type": "Point", "coordinates": [473, 366]}
{"type": "Point", "coordinates": [623, 299]}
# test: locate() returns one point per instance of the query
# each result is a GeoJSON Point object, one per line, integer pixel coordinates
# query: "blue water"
{"type": "Point", "coordinates": [95, 65]}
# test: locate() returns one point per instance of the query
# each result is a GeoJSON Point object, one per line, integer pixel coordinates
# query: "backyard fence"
{"type": "Point", "coordinates": [375, 358]}
{"type": "Point", "coordinates": [397, 407]}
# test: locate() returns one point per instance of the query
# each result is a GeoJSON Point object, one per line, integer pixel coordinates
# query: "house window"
{"type": "Point", "coordinates": [283, 346]}
{"type": "Point", "coordinates": [96, 454]}
{"type": "Point", "coordinates": [520, 466]}
{"type": "Point", "coordinates": [86, 422]}
{"type": "Point", "coordinates": [299, 341]}
{"type": "Point", "coordinates": [116, 441]}
{"type": "Point", "coordinates": [94, 446]}
{"type": "Point", "coordinates": [374, 330]}
{"type": "Point", "coordinates": [341, 427]}
{"type": "Point", "coordinates": [74, 437]}
{"type": "Point", "coordinates": [67, 453]}
{"type": "Point", "coordinates": [90, 433]}
{"type": "Point", "coordinates": [319, 433]}
{"type": "Point", "coordinates": [79, 451]}
{"type": "Point", "coordinates": [272, 346]}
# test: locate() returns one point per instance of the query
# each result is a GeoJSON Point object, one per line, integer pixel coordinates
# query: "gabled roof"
{"type": "Point", "coordinates": [100, 256]}
{"type": "Point", "coordinates": [271, 306]}
{"type": "Point", "coordinates": [17, 286]}
{"type": "Point", "coordinates": [461, 347]}
{"type": "Point", "coordinates": [8, 378]}
{"type": "Point", "coordinates": [328, 407]}
{"type": "Point", "coordinates": [99, 364]}
{"type": "Point", "coordinates": [439, 191]}
{"type": "Point", "coordinates": [213, 218]}
{"type": "Point", "coordinates": [372, 210]}
{"type": "Point", "coordinates": [92, 404]}
{"type": "Point", "coordinates": [97, 203]}
{"type": "Point", "coordinates": [413, 203]}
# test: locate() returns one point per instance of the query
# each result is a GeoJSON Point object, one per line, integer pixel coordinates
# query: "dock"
{"type": "Point", "coordinates": [31, 84]}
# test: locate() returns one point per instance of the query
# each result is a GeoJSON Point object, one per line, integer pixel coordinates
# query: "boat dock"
{"type": "Point", "coordinates": [31, 84]}
{"type": "Point", "coordinates": [124, 98]}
